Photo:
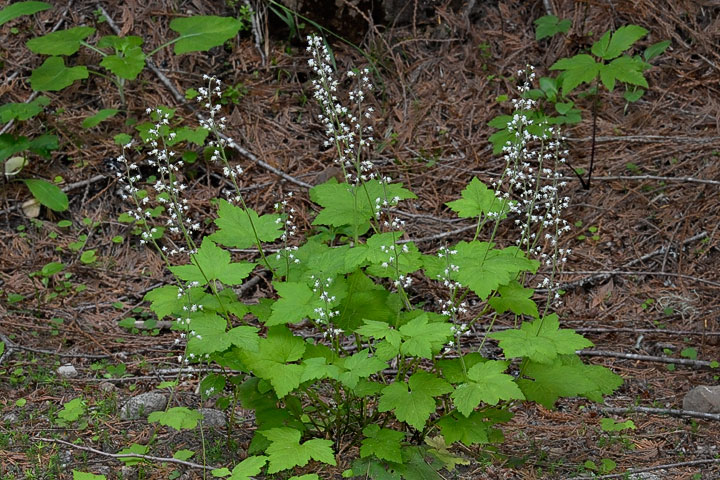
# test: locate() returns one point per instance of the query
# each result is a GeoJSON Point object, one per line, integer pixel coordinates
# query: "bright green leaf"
{"type": "Point", "coordinates": [48, 194]}
{"type": "Point", "coordinates": [212, 263]}
{"type": "Point", "coordinates": [53, 75]}
{"type": "Point", "coordinates": [77, 475]}
{"type": "Point", "coordinates": [23, 111]}
{"type": "Point", "coordinates": [482, 268]}
{"type": "Point", "coordinates": [626, 69]}
{"type": "Point", "coordinates": [422, 338]}
{"type": "Point", "coordinates": [201, 33]}
{"type": "Point", "coordinates": [236, 226]}
{"type": "Point", "coordinates": [136, 449]}
{"type": "Point", "coordinates": [19, 9]}
{"type": "Point", "coordinates": [100, 116]}
{"type": "Point", "coordinates": [183, 454]}
{"type": "Point", "coordinates": [578, 69]}
{"type": "Point", "coordinates": [88, 257]}
{"type": "Point", "coordinates": [179, 418]}
{"type": "Point", "coordinates": [516, 298]}
{"type": "Point", "coordinates": [541, 340]}
{"type": "Point", "coordinates": [63, 42]}
{"type": "Point", "coordinates": [488, 384]}
{"type": "Point", "coordinates": [248, 468]}
{"type": "Point", "coordinates": [413, 402]}
{"type": "Point", "coordinates": [297, 301]}
{"type": "Point", "coordinates": [621, 40]}
{"type": "Point", "coordinates": [478, 200]}
{"type": "Point", "coordinates": [286, 451]}
{"type": "Point", "coordinates": [127, 65]}
{"type": "Point", "coordinates": [359, 365]}
{"type": "Point", "coordinates": [550, 25]}
{"type": "Point", "coordinates": [382, 442]}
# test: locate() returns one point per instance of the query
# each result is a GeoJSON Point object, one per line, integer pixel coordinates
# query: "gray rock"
{"type": "Point", "coordinates": [128, 473]}
{"type": "Point", "coordinates": [704, 399]}
{"type": "Point", "coordinates": [107, 387]}
{"type": "Point", "coordinates": [213, 417]}
{"type": "Point", "coordinates": [67, 371]}
{"type": "Point", "coordinates": [10, 418]}
{"type": "Point", "coordinates": [142, 405]}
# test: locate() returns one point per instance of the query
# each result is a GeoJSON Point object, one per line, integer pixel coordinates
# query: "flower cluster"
{"type": "Point", "coordinates": [345, 127]}
{"type": "Point", "coordinates": [532, 178]}
{"type": "Point", "coordinates": [325, 313]}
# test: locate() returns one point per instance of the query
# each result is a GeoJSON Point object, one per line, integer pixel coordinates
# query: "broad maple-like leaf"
{"type": "Point", "coordinates": [478, 200]}
{"type": "Point", "coordinates": [578, 69]}
{"type": "Point", "coordinates": [383, 443]}
{"type": "Point", "coordinates": [286, 451]}
{"type": "Point", "coordinates": [212, 263]}
{"type": "Point", "coordinates": [487, 384]}
{"type": "Point", "coordinates": [541, 340]}
{"type": "Point", "coordinates": [237, 227]}
{"type": "Point", "coordinates": [413, 402]}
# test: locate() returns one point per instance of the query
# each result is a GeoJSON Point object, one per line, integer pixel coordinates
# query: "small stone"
{"type": "Point", "coordinates": [10, 418]}
{"type": "Point", "coordinates": [128, 473]}
{"type": "Point", "coordinates": [143, 405]}
{"type": "Point", "coordinates": [67, 371]}
{"type": "Point", "coordinates": [107, 387]}
{"type": "Point", "coordinates": [703, 398]}
{"type": "Point", "coordinates": [213, 418]}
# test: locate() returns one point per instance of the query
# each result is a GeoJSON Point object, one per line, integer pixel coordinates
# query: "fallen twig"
{"type": "Point", "coordinates": [610, 273]}
{"type": "Point", "coordinates": [626, 473]}
{"type": "Point", "coordinates": [673, 412]}
{"type": "Point", "coordinates": [127, 455]}
{"type": "Point", "coordinates": [646, 358]}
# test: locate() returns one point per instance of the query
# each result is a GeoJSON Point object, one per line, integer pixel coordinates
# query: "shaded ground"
{"type": "Point", "coordinates": [647, 283]}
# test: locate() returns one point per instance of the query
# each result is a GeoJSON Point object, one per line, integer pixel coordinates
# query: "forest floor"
{"type": "Point", "coordinates": [643, 277]}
